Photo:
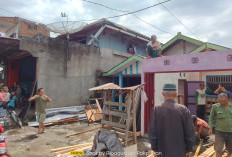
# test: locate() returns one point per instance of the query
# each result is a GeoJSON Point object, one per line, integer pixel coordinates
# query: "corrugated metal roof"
{"type": "Point", "coordinates": [112, 86]}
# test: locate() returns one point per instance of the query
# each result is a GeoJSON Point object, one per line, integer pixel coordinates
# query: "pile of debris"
{"type": "Point", "coordinates": [62, 115]}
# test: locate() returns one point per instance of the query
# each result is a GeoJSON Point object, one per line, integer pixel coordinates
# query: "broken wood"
{"type": "Point", "coordinates": [93, 113]}
{"type": "Point", "coordinates": [62, 148]}
{"type": "Point", "coordinates": [67, 154]}
{"type": "Point", "coordinates": [208, 152]}
{"type": "Point", "coordinates": [198, 148]}
{"type": "Point", "coordinates": [209, 144]}
{"type": "Point", "coordinates": [72, 119]}
{"type": "Point", "coordinates": [82, 132]}
{"type": "Point", "coordinates": [73, 149]}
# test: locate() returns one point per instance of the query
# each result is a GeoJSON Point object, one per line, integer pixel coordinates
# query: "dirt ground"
{"type": "Point", "coordinates": [23, 143]}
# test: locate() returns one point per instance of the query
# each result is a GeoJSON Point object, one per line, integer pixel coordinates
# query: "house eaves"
{"type": "Point", "coordinates": [124, 63]}
{"type": "Point", "coordinates": [179, 36]}
{"type": "Point", "coordinates": [110, 25]}
{"type": "Point", "coordinates": [210, 46]}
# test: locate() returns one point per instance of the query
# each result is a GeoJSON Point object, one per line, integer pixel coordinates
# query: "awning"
{"type": "Point", "coordinates": [112, 86]}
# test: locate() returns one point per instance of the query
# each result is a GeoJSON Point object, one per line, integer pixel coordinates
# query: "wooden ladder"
{"type": "Point", "coordinates": [128, 114]}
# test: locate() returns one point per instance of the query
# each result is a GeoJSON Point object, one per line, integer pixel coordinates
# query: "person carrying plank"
{"type": "Point", "coordinates": [41, 101]}
{"type": "Point", "coordinates": [153, 48]}
{"type": "Point", "coordinates": [171, 130]}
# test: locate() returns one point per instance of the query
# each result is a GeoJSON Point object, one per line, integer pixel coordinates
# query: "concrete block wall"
{"type": "Point", "coordinates": [68, 87]}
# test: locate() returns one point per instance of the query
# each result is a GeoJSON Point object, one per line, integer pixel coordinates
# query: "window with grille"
{"type": "Point", "coordinates": [213, 81]}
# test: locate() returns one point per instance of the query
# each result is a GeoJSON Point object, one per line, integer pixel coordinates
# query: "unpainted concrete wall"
{"type": "Point", "coordinates": [69, 86]}
{"type": "Point", "coordinates": [66, 87]}
{"type": "Point", "coordinates": [182, 47]}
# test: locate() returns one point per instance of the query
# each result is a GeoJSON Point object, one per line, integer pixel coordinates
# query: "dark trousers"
{"type": "Point", "coordinates": [201, 111]}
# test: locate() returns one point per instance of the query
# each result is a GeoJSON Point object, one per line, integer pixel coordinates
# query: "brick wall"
{"type": "Point", "coordinates": [27, 28]}
{"type": "Point", "coordinates": [30, 29]}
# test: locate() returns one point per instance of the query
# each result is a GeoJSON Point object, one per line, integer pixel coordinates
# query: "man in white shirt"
{"type": "Point", "coordinates": [153, 48]}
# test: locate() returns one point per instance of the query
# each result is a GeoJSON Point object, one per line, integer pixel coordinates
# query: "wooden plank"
{"type": "Point", "coordinates": [115, 103]}
{"type": "Point", "coordinates": [115, 113]}
{"type": "Point", "coordinates": [128, 118]}
{"type": "Point", "coordinates": [114, 124]}
{"type": "Point", "coordinates": [208, 152]}
{"type": "Point", "coordinates": [83, 132]}
{"type": "Point", "coordinates": [93, 114]}
{"type": "Point", "coordinates": [98, 105]}
{"type": "Point", "coordinates": [198, 148]}
{"type": "Point", "coordinates": [62, 148]}
{"type": "Point", "coordinates": [72, 149]}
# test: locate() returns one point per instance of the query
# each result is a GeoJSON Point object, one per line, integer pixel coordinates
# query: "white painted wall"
{"type": "Point", "coordinates": [163, 78]}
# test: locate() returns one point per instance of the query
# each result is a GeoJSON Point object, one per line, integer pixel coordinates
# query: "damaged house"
{"type": "Point", "coordinates": [39, 58]}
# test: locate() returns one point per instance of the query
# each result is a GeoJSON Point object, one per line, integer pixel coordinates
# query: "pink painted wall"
{"type": "Point", "coordinates": [214, 60]}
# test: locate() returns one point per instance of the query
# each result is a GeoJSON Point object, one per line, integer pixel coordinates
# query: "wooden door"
{"type": "Point", "coordinates": [192, 86]}
{"type": "Point", "coordinates": [12, 72]}
{"type": "Point", "coordinates": [149, 89]}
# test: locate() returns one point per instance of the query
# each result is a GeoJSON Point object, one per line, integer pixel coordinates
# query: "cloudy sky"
{"type": "Point", "coordinates": [207, 20]}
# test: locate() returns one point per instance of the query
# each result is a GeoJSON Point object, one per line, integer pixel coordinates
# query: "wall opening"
{"type": "Point", "coordinates": [22, 71]}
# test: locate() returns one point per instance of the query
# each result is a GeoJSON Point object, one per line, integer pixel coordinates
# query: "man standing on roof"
{"type": "Point", "coordinates": [171, 130]}
{"type": "Point", "coordinates": [154, 48]}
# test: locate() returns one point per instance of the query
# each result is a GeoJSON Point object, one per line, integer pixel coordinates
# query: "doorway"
{"type": "Point", "coordinates": [22, 70]}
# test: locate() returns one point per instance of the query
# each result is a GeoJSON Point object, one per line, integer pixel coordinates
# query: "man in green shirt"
{"type": "Point", "coordinates": [200, 96]}
{"type": "Point", "coordinates": [222, 114]}
{"type": "Point", "coordinates": [41, 101]}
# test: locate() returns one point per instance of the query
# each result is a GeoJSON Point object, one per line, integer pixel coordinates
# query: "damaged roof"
{"type": "Point", "coordinates": [106, 22]}
{"type": "Point", "coordinates": [112, 86]}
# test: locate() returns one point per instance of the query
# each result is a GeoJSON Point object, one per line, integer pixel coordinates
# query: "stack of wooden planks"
{"type": "Point", "coordinates": [66, 120]}
{"type": "Point", "coordinates": [65, 151]}
{"type": "Point", "coordinates": [208, 153]}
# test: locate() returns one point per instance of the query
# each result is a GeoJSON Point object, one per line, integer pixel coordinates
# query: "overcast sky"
{"type": "Point", "coordinates": [208, 20]}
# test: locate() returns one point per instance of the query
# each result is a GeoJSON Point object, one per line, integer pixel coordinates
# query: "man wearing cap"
{"type": "Point", "coordinates": [200, 96]}
{"type": "Point", "coordinates": [171, 130]}
{"type": "Point", "coordinates": [153, 48]}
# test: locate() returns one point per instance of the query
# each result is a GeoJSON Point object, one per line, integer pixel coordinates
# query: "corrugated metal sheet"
{"type": "Point", "coordinates": [73, 109]}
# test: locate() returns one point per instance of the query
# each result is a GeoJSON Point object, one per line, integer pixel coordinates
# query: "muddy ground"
{"type": "Point", "coordinates": [23, 143]}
